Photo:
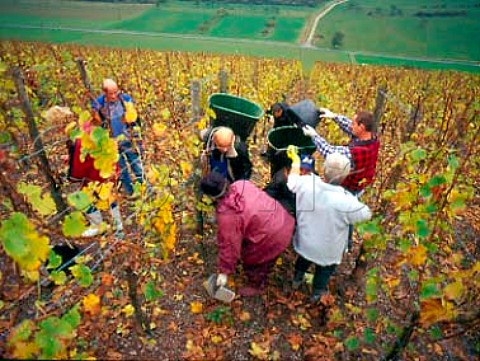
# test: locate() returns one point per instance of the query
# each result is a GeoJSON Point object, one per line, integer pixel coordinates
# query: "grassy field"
{"type": "Point", "coordinates": [394, 27]}
{"type": "Point", "coordinates": [231, 22]}
{"type": "Point", "coordinates": [66, 13]}
{"type": "Point", "coordinates": [215, 29]}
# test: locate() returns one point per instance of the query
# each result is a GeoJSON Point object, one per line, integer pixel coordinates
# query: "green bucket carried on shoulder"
{"type": "Point", "coordinates": [237, 113]}
{"type": "Point", "coordinates": [278, 141]}
{"type": "Point", "coordinates": [280, 138]}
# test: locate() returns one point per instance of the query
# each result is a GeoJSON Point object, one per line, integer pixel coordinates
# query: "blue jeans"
{"type": "Point", "coordinates": [129, 154]}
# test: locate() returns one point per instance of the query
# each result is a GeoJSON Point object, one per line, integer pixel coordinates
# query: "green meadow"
{"type": "Point", "coordinates": [419, 28]}
{"type": "Point", "coordinates": [230, 22]}
{"type": "Point", "coordinates": [54, 13]}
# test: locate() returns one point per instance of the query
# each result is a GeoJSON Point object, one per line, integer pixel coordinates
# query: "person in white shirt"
{"type": "Point", "coordinates": [324, 211]}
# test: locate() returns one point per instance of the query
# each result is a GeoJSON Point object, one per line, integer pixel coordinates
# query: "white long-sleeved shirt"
{"type": "Point", "coordinates": [324, 212]}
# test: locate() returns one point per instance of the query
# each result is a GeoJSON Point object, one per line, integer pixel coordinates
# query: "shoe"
{"type": "Point", "coordinates": [298, 280]}
{"type": "Point", "coordinates": [249, 291]}
{"type": "Point", "coordinates": [317, 295]}
{"type": "Point", "coordinates": [91, 232]}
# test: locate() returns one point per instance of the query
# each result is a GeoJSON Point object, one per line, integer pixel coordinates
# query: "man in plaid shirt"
{"type": "Point", "coordinates": [362, 150]}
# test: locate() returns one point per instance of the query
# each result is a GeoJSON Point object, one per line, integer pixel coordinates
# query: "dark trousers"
{"type": "Point", "coordinates": [350, 226]}
{"type": "Point", "coordinates": [322, 273]}
{"type": "Point", "coordinates": [257, 275]}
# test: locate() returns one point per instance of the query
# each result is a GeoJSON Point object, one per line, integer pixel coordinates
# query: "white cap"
{"type": "Point", "coordinates": [336, 168]}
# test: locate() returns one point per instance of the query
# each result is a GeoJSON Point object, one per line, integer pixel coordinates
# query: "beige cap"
{"type": "Point", "coordinates": [336, 168]}
{"type": "Point", "coordinates": [58, 114]}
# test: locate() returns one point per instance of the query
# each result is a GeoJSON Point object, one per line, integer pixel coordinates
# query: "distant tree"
{"type": "Point", "coordinates": [337, 39]}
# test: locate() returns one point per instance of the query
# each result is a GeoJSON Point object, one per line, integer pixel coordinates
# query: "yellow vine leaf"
{"type": "Point", "coordinates": [434, 310]}
{"type": "Point", "coordinates": [196, 307]}
{"type": "Point", "coordinates": [257, 351]}
{"type": "Point", "coordinates": [91, 304]}
{"type": "Point", "coordinates": [211, 113]}
{"type": "Point", "coordinates": [159, 129]}
{"type": "Point", "coordinates": [165, 113]}
{"type": "Point", "coordinates": [453, 291]}
{"type": "Point", "coordinates": [128, 310]}
{"type": "Point", "coordinates": [171, 239]}
{"type": "Point", "coordinates": [130, 112]}
{"type": "Point", "coordinates": [216, 339]}
{"type": "Point", "coordinates": [186, 168]}
{"type": "Point", "coordinates": [25, 350]}
{"type": "Point", "coordinates": [105, 163]}
{"type": "Point", "coordinates": [69, 127]}
{"type": "Point", "coordinates": [417, 255]}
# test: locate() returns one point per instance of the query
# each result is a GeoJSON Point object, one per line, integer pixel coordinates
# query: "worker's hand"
{"type": "Point", "coordinates": [292, 153]}
{"type": "Point", "coordinates": [221, 279]}
{"type": "Point", "coordinates": [309, 131]}
{"type": "Point", "coordinates": [326, 113]}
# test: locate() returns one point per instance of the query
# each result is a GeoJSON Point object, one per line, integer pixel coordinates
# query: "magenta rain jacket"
{"type": "Point", "coordinates": [252, 226]}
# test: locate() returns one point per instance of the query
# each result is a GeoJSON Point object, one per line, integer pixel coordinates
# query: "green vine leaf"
{"type": "Point", "coordinates": [352, 343]}
{"type": "Point", "coordinates": [54, 260]}
{"type": "Point", "coordinates": [368, 336]}
{"type": "Point", "coordinates": [79, 200]}
{"type": "Point", "coordinates": [422, 228]}
{"type": "Point", "coordinates": [22, 332]}
{"type": "Point", "coordinates": [82, 274]}
{"type": "Point", "coordinates": [150, 291]}
{"type": "Point", "coordinates": [429, 290]}
{"type": "Point", "coordinates": [44, 205]}
{"type": "Point", "coordinates": [74, 224]}
{"type": "Point", "coordinates": [22, 242]}
{"type": "Point", "coordinates": [58, 277]}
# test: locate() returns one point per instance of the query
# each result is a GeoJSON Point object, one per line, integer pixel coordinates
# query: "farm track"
{"type": "Point", "coordinates": [321, 14]}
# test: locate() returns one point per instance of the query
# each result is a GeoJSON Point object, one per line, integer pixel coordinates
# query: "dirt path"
{"type": "Point", "coordinates": [321, 14]}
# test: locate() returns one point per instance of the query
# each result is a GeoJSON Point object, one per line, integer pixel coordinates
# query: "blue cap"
{"type": "Point", "coordinates": [306, 162]}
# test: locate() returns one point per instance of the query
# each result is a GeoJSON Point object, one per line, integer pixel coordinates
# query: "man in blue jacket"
{"type": "Point", "coordinates": [117, 114]}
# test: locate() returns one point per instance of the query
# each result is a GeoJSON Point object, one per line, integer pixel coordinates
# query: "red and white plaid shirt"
{"type": "Point", "coordinates": [363, 155]}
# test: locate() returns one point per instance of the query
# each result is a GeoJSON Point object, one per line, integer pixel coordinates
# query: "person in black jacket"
{"type": "Point", "coordinates": [280, 116]}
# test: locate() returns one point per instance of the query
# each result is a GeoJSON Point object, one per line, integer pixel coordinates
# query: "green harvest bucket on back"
{"type": "Point", "coordinates": [280, 138]}
{"type": "Point", "coordinates": [278, 141]}
{"type": "Point", "coordinates": [237, 113]}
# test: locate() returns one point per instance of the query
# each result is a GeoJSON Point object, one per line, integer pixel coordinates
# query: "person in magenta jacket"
{"type": "Point", "coordinates": [252, 228]}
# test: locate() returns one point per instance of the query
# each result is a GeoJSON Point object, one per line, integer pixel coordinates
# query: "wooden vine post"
{"type": "Point", "coordinates": [223, 80]}
{"type": "Point", "coordinates": [84, 76]}
{"type": "Point", "coordinates": [18, 78]}
{"type": "Point", "coordinates": [195, 88]}
{"type": "Point", "coordinates": [379, 106]}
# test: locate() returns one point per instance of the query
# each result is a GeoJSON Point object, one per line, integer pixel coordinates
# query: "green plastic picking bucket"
{"type": "Point", "coordinates": [280, 138]}
{"type": "Point", "coordinates": [237, 113]}
{"type": "Point", "coordinates": [278, 141]}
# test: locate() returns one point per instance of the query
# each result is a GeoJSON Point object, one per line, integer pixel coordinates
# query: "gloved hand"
{"type": "Point", "coordinates": [292, 153]}
{"type": "Point", "coordinates": [309, 131]}
{"type": "Point", "coordinates": [221, 279]}
{"type": "Point", "coordinates": [326, 113]}
{"type": "Point", "coordinates": [130, 112]}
